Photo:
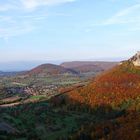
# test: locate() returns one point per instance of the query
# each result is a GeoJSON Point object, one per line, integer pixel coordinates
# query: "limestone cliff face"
{"type": "Point", "coordinates": [136, 59]}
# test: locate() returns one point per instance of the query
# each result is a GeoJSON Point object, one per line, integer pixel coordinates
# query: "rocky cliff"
{"type": "Point", "coordinates": [136, 59]}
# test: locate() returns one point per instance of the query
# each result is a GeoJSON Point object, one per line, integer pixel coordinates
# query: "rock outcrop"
{"type": "Point", "coordinates": [136, 59]}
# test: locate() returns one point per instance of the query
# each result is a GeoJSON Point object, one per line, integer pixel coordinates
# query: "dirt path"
{"type": "Point", "coordinates": [9, 105]}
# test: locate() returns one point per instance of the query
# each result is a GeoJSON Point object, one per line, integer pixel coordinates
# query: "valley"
{"type": "Point", "coordinates": [26, 94]}
{"type": "Point", "coordinates": [71, 103]}
{"type": "Point", "coordinates": [41, 82]}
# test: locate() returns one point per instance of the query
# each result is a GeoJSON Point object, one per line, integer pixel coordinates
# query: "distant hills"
{"type": "Point", "coordinates": [50, 69]}
{"type": "Point", "coordinates": [89, 66]}
{"type": "Point", "coordinates": [30, 64]}
{"type": "Point", "coordinates": [75, 67]}
{"type": "Point", "coordinates": [70, 68]}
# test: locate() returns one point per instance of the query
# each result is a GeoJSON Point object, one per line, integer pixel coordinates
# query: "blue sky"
{"type": "Point", "coordinates": [65, 30]}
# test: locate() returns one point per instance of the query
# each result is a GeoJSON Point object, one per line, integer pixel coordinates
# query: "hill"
{"type": "Point", "coordinates": [111, 87]}
{"type": "Point", "coordinates": [89, 66]}
{"type": "Point", "coordinates": [113, 97]}
{"type": "Point", "coordinates": [50, 69]}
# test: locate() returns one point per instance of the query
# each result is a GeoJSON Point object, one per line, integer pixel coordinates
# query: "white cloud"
{"type": "Point", "coordinates": [15, 30]}
{"type": "Point", "coordinates": [15, 24]}
{"type": "Point", "coordinates": [29, 4]}
{"type": "Point", "coordinates": [129, 16]}
{"type": "Point", "coordinates": [123, 16]}
{"type": "Point", "coordinates": [32, 4]}
{"type": "Point", "coordinates": [11, 26]}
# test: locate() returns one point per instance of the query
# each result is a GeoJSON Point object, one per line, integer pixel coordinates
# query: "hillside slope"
{"type": "Point", "coordinates": [100, 64]}
{"type": "Point", "coordinates": [112, 87]}
{"type": "Point", "coordinates": [89, 66]}
{"type": "Point", "coordinates": [114, 99]}
{"type": "Point", "coordinates": [50, 69]}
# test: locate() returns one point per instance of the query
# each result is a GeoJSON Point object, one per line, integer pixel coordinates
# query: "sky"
{"type": "Point", "coordinates": [68, 30]}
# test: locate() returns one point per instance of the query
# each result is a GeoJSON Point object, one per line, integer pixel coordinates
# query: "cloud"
{"type": "Point", "coordinates": [12, 31]}
{"type": "Point", "coordinates": [128, 16]}
{"type": "Point", "coordinates": [29, 4]}
{"type": "Point", "coordinates": [33, 4]}
{"type": "Point", "coordinates": [11, 26]}
{"type": "Point", "coordinates": [123, 16]}
{"type": "Point", "coordinates": [17, 24]}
